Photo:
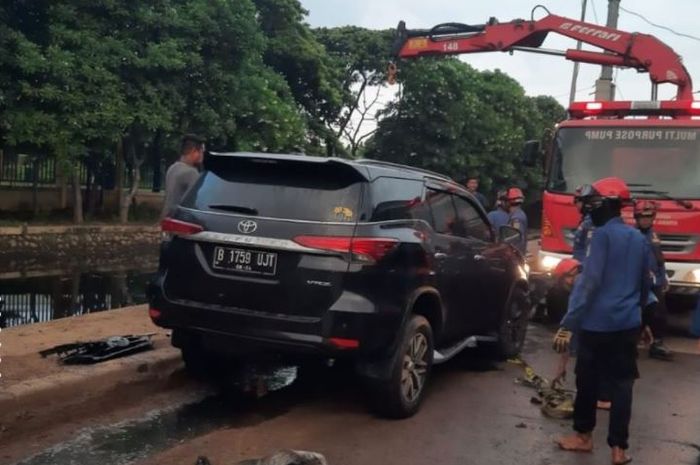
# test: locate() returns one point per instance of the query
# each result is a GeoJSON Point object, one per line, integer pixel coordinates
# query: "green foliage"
{"type": "Point", "coordinates": [459, 121]}
{"type": "Point", "coordinates": [293, 51]}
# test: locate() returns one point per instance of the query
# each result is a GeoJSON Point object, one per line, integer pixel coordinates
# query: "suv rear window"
{"type": "Point", "coordinates": [279, 189]}
{"type": "Point", "coordinates": [397, 199]}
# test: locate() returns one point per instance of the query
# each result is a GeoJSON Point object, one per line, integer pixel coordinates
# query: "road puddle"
{"type": "Point", "coordinates": [234, 405]}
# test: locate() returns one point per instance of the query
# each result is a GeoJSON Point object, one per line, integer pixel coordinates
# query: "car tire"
{"type": "Point", "coordinates": [513, 324]}
{"type": "Point", "coordinates": [401, 394]}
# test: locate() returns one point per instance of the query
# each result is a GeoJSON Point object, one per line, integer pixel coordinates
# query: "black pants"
{"type": "Point", "coordinates": [609, 358]}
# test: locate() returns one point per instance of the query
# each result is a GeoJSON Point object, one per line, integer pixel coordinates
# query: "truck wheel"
{"type": "Point", "coordinates": [400, 396]}
{"type": "Point", "coordinates": [513, 325]}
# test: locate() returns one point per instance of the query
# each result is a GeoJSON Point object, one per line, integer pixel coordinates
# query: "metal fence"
{"type": "Point", "coordinates": [24, 171]}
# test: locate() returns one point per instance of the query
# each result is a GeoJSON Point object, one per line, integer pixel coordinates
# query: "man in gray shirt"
{"type": "Point", "coordinates": [183, 173]}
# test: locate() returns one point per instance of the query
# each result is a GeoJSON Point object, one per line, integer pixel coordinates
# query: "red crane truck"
{"type": "Point", "coordinates": [653, 145]}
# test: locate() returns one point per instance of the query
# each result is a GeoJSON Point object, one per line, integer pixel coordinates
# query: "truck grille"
{"type": "Point", "coordinates": [678, 243]}
{"type": "Point", "coordinates": [670, 243]}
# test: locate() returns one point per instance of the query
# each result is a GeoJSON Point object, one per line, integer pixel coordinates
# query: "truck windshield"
{"type": "Point", "coordinates": [662, 159]}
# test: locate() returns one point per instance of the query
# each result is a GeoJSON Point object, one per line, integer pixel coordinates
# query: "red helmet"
{"type": "Point", "coordinates": [606, 189]}
{"type": "Point", "coordinates": [515, 195]}
{"type": "Point", "coordinates": [566, 267]}
{"type": "Point", "coordinates": [645, 208]}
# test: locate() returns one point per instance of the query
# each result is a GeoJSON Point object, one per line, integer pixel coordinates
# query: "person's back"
{"type": "Point", "coordinates": [613, 271]}
{"type": "Point", "coordinates": [498, 218]}
{"type": "Point", "coordinates": [518, 220]}
{"type": "Point", "coordinates": [183, 173]}
{"type": "Point", "coordinates": [178, 179]}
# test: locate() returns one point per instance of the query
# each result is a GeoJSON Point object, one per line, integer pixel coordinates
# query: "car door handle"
{"type": "Point", "coordinates": [440, 255]}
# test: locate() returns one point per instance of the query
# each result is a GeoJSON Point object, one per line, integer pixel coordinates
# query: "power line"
{"type": "Point", "coordinates": [643, 18]}
{"type": "Point", "coordinates": [595, 12]}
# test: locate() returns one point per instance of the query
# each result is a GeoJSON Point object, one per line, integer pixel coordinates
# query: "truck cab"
{"type": "Point", "coordinates": [655, 148]}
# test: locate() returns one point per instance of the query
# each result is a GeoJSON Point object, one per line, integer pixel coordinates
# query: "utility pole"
{"type": "Point", "coordinates": [574, 77]}
{"type": "Point", "coordinates": [604, 87]}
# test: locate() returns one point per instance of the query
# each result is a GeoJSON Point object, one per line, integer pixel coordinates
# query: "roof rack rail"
{"type": "Point", "coordinates": [388, 164]}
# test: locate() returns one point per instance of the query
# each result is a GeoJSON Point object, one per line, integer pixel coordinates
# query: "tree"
{"type": "Point", "coordinates": [459, 121]}
{"type": "Point", "coordinates": [361, 55]}
{"type": "Point", "coordinates": [64, 97]}
{"type": "Point", "coordinates": [293, 51]}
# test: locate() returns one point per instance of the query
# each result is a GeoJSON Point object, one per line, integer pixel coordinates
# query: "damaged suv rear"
{"type": "Point", "coordinates": [389, 266]}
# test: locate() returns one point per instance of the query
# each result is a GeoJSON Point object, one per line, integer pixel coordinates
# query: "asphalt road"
{"type": "Point", "coordinates": [474, 414]}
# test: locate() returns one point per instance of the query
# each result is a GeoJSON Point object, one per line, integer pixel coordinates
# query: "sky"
{"type": "Point", "coordinates": [538, 74]}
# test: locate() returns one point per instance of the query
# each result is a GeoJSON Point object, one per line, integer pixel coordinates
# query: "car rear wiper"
{"type": "Point", "coordinates": [235, 209]}
{"type": "Point", "coordinates": [664, 195]}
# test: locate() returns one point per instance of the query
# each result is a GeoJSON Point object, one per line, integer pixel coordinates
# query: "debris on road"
{"type": "Point", "coordinates": [285, 457]}
{"type": "Point", "coordinates": [85, 353]}
{"type": "Point", "coordinates": [556, 402]}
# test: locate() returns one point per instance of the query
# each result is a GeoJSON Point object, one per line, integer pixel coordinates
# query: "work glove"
{"type": "Point", "coordinates": [561, 341]}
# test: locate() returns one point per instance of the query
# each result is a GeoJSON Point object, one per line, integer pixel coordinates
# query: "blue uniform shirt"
{"type": "Point", "coordinates": [695, 324]}
{"type": "Point", "coordinates": [607, 295]}
{"type": "Point", "coordinates": [518, 220]}
{"type": "Point", "coordinates": [582, 238]}
{"type": "Point", "coordinates": [498, 218]}
{"type": "Point", "coordinates": [656, 261]}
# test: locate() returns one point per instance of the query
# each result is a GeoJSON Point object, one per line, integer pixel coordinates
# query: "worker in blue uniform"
{"type": "Point", "coordinates": [518, 218]}
{"type": "Point", "coordinates": [499, 216]}
{"type": "Point", "coordinates": [605, 312]}
{"type": "Point", "coordinates": [584, 231]}
{"type": "Point", "coordinates": [656, 314]}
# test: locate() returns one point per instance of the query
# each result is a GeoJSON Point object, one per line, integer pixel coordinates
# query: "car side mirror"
{"type": "Point", "coordinates": [509, 235]}
{"type": "Point", "coordinates": [531, 152]}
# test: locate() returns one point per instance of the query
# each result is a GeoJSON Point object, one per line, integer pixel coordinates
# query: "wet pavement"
{"type": "Point", "coordinates": [474, 414]}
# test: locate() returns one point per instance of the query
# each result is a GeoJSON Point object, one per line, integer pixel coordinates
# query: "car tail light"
{"type": "Point", "coordinates": [342, 343]}
{"type": "Point", "coordinates": [182, 228]}
{"type": "Point", "coordinates": [153, 313]}
{"type": "Point", "coordinates": [362, 248]}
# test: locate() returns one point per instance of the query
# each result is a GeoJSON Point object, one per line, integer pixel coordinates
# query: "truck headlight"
{"type": "Point", "coordinates": [694, 275]}
{"type": "Point", "coordinates": [549, 262]}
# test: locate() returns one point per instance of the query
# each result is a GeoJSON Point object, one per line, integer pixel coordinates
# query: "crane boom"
{"type": "Point", "coordinates": [642, 52]}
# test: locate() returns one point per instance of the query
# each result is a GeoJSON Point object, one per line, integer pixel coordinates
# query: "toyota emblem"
{"type": "Point", "coordinates": [247, 226]}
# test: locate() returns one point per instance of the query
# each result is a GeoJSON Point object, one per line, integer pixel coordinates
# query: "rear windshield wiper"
{"type": "Point", "coordinates": [664, 195]}
{"type": "Point", "coordinates": [235, 209]}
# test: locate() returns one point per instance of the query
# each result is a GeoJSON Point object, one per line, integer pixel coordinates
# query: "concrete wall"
{"type": "Point", "coordinates": [25, 248]}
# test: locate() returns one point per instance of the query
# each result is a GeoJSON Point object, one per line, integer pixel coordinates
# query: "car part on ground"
{"type": "Point", "coordinates": [85, 353]}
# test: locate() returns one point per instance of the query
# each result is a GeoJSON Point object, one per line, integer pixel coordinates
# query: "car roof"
{"type": "Point", "coordinates": [370, 169]}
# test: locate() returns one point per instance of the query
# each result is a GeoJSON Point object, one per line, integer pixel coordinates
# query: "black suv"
{"type": "Point", "coordinates": [393, 267]}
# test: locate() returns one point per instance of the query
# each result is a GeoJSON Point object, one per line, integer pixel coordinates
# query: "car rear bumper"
{"type": "Point", "coordinates": [353, 326]}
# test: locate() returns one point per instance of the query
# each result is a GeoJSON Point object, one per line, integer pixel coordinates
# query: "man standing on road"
{"type": "Point", "coordinates": [518, 218]}
{"type": "Point", "coordinates": [584, 232]}
{"type": "Point", "coordinates": [644, 215]}
{"type": "Point", "coordinates": [183, 173]}
{"type": "Point", "coordinates": [473, 188]}
{"type": "Point", "coordinates": [499, 216]}
{"type": "Point", "coordinates": [605, 311]}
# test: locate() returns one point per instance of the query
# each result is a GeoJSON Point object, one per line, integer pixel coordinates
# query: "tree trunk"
{"type": "Point", "coordinates": [119, 175]}
{"type": "Point", "coordinates": [137, 161]}
{"type": "Point", "coordinates": [77, 196]}
{"type": "Point", "coordinates": [35, 187]}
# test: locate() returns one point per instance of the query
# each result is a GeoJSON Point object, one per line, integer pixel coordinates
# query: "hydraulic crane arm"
{"type": "Point", "coordinates": [642, 52]}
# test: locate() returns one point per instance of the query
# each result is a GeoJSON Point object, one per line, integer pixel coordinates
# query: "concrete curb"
{"type": "Point", "coordinates": [29, 405]}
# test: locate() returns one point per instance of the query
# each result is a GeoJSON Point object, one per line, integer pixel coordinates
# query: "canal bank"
{"type": "Point", "coordinates": [38, 393]}
{"type": "Point", "coordinates": [52, 272]}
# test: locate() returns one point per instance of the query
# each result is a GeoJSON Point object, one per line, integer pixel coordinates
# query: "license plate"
{"type": "Point", "coordinates": [245, 260]}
